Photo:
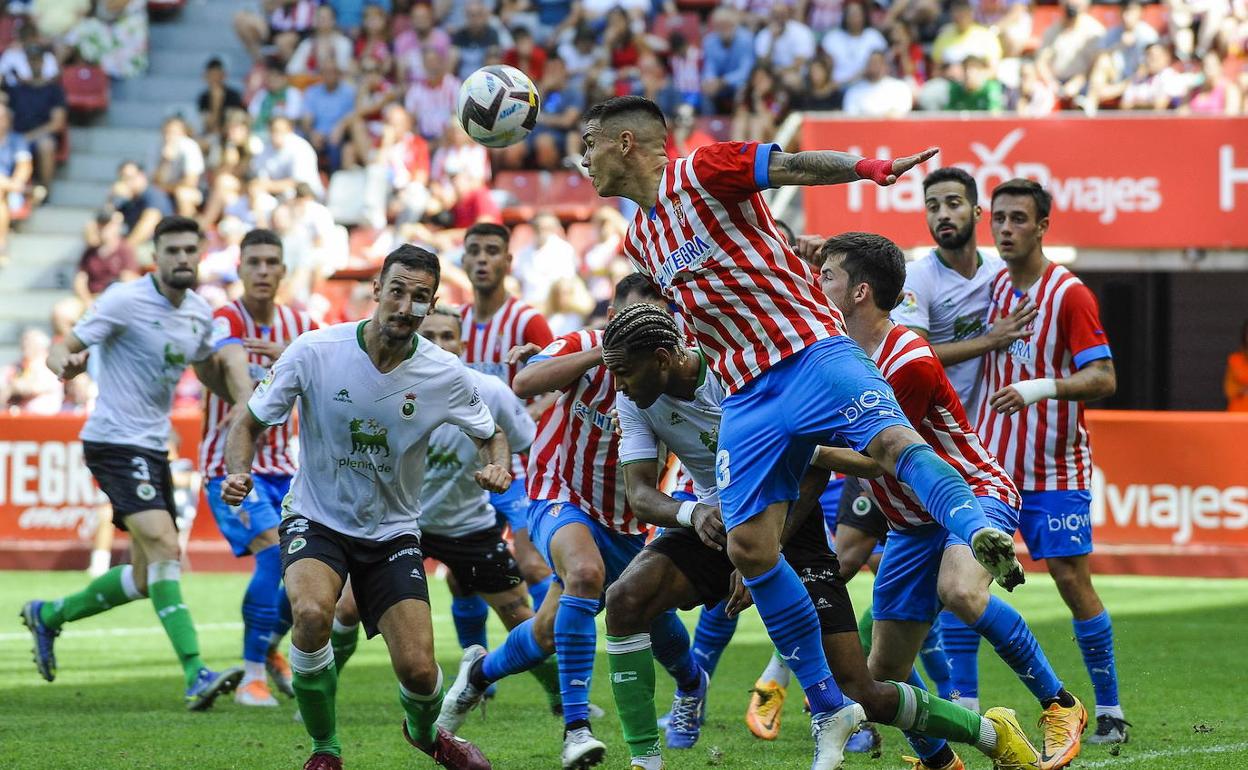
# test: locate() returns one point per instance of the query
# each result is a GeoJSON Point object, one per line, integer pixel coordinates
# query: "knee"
{"type": "Point", "coordinates": [585, 579]}
{"type": "Point", "coordinates": [312, 617]}
{"type": "Point", "coordinates": [1065, 574]}
{"type": "Point", "coordinates": [419, 675]}
{"type": "Point", "coordinates": [964, 600]}
{"type": "Point", "coordinates": [750, 555]}
{"type": "Point", "coordinates": [346, 613]}
{"type": "Point", "coordinates": [627, 609]}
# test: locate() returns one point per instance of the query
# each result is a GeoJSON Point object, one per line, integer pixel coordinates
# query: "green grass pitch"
{"type": "Point", "coordinates": [117, 700]}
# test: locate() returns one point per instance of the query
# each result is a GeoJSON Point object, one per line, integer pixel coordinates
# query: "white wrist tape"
{"type": "Point", "coordinates": [684, 516]}
{"type": "Point", "coordinates": [1036, 390]}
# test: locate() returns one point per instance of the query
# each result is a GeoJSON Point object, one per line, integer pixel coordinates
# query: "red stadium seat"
{"type": "Point", "coordinates": [86, 88]}
{"type": "Point", "coordinates": [160, 7]}
{"type": "Point", "coordinates": [8, 30]}
{"type": "Point", "coordinates": [705, 6]}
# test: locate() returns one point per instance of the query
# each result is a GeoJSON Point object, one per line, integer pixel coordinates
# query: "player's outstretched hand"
{"type": "Point", "coordinates": [236, 488]}
{"type": "Point", "coordinates": [1015, 326]}
{"type": "Point", "coordinates": [269, 348]}
{"type": "Point", "coordinates": [710, 527]}
{"type": "Point", "coordinates": [521, 353]}
{"type": "Point", "coordinates": [1007, 400]}
{"type": "Point", "coordinates": [493, 478]}
{"type": "Point", "coordinates": [75, 364]}
{"type": "Point", "coordinates": [902, 165]}
{"type": "Point", "coordinates": [807, 247]}
{"type": "Point", "coordinates": [739, 598]}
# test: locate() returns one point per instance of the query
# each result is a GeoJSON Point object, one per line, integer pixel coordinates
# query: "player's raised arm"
{"type": "Point", "coordinates": [560, 364]}
{"type": "Point", "coordinates": [820, 167]}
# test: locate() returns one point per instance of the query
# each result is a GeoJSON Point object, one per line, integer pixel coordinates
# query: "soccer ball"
{"type": "Point", "coordinates": [498, 105]}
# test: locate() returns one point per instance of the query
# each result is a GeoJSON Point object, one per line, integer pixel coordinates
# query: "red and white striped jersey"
{"type": "Point", "coordinates": [712, 247]}
{"type": "Point", "coordinates": [486, 344]}
{"type": "Point", "coordinates": [1044, 447]}
{"type": "Point", "coordinates": [934, 409]}
{"type": "Point", "coordinates": [274, 451]}
{"type": "Point", "coordinates": [575, 456]}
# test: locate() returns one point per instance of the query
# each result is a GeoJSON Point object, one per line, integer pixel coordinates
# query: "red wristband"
{"type": "Point", "coordinates": [877, 171]}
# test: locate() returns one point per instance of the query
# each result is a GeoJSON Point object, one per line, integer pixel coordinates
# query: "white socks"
{"type": "Point", "coordinates": [777, 671]}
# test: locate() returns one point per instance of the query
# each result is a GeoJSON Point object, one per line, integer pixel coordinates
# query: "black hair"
{"type": "Point", "coordinates": [260, 237]}
{"type": "Point", "coordinates": [640, 328]}
{"type": "Point", "coordinates": [489, 230]}
{"type": "Point", "coordinates": [413, 258]}
{"type": "Point", "coordinates": [1030, 189]}
{"type": "Point", "coordinates": [624, 105]}
{"type": "Point", "coordinates": [954, 174]}
{"type": "Point", "coordinates": [871, 259]}
{"type": "Point", "coordinates": [175, 224]}
{"type": "Point", "coordinates": [634, 286]}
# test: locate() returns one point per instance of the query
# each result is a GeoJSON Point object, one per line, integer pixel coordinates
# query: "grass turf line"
{"type": "Point", "coordinates": [117, 700]}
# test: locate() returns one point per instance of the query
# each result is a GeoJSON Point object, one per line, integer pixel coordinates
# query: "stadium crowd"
{"type": "Point", "coordinates": [342, 137]}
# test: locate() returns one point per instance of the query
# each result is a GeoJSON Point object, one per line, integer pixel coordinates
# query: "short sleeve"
{"type": "Point", "coordinates": [204, 347]}
{"type": "Point", "coordinates": [637, 441]}
{"type": "Point", "coordinates": [227, 328]}
{"type": "Point", "coordinates": [915, 384]}
{"type": "Point", "coordinates": [274, 397]}
{"type": "Point", "coordinates": [733, 170]}
{"type": "Point", "coordinates": [537, 331]}
{"type": "Point", "coordinates": [510, 416]}
{"type": "Point", "coordinates": [559, 346]}
{"type": "Point", "coordinates": [912, 311]}
{"type": "Point", "coordinates": [466, 407]}
{"type": "Point", "coordinates": [1080, 322]}
{"type": "Point", "coordinates": [103, 319]}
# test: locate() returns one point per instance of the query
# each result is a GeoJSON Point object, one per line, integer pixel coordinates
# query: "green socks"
{"type": "Point", "coordinates": [547, 675]}
{"type": "Point", "coordinates": [422, 712]}
{"type": "Point", "coordinates": [344, 640]}
{"type": "Point", "coordinates": [112, 589]}
{"type": "Point", "coordinates": [923, 712]}
{"type": "Point", "coordinates": [865, 624]}
{"type": "Point", "coordinates": [315, 682]}
{"type": "Point", "coordinates": [632, 683]}
{"type": "Point", "coordinates": [165, 589]}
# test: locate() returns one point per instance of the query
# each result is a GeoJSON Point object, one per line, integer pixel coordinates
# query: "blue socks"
{"type": "Point", "coordinates": [260, 604]}
{"type": "Point", "coordinates": [1095, 637]}
{"type": "Point", "coordinates": [935, 662]}
{"type": "Point", "coordinates": [669, 641]}
{"type": "Point", "coordinates": [470, 614]}
{"type": "Point", "coordinates": [961, 643]}
{"type": "Point", "coordinates": [942, 490]}
{"type": "Point", "coordinates": [923, 746]}
{"type": "Point", "coordinates": [793, 626]}
{"type": "Point", "coordinates": [714, 631]}
{"type": "Point", "coordinates": [1010, 636]}
{"type": "Point", "coordinates": [538, 591]}
{"type": "Point", "coordinates": [518, 652]}
{"type": "Point", "coordinates": [576, 636]}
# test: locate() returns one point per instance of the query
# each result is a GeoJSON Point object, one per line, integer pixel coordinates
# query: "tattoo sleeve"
{"type": "Point", "coordinates": [814, 167]}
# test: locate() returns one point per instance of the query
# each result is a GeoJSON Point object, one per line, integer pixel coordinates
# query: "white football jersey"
{"type": "Point", "coordinates": [364, 435]}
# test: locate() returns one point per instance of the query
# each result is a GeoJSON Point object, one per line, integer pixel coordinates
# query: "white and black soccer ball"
{"type": "Point", "coordinates": [498, 105]}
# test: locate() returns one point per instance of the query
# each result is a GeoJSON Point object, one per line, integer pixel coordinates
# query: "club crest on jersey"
{"type": "Point", "coordinates": [689, 254]}
{"type": "Point", "coordinates": [408, 410]}
{"type": "Point", "coordinates": [679, 211]}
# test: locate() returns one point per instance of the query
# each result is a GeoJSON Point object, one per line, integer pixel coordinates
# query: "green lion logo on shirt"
{"type": "Point", "coordinates": [709, 439]}
{"type": "Point", "coordinates": [368, 437]}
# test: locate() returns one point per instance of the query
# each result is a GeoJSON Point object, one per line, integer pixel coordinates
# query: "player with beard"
{"type": "Point", "coordinates": [144, 333]}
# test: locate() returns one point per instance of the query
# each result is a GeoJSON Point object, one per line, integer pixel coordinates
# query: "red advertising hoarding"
{"type": "Point", "coordinates": [1155, 182]}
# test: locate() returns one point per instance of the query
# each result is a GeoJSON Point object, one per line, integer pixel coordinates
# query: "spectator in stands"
{"type": "Point", "coordinates": [233, 151]}
{"type": "Point", "coordinates": [374, 40]}
{"type": "Point", "coordinates": [472, 202]}
{"type": "Point", "coordinates": [287, 161]}
{"type": "Point", "coordinates": [878, 94]}
{"type": "Point", "coordinates": [963, 37]}
{"type": "Point", "coordinates": [1215, 93]}
{"type": "Point", "coordinates": [28, 385]}
{"type": "Point", "coordinates": [821, 15]}
{"type": "Point", "coordinates": [372, 98]}
{"type": "Point", "coordinates": [40, 116]}
{"type": "Point", "coordinates": [277, 98]}
{"type": "Point", "coordinates": [728, 57]}
{"type": "Point", "coordinates": [312, 245]}
{"type": "Point", "coordinates": [433, 98]}
{"type": "Point", "coordinates": [1120, 58]}
{"type": "Point", "coordinates": [555, 135]}
{"type": "Point", "coordinates": [179, 167]}
{"type": "Point", "coordinates": [218, 270]}
{"type": "Point", "coordinates": [216, 101]}
{"type": "Point", "coordinates": [610, 228]}
{"type": "Point", "coordinates": [978, 91]}
{"type": "Point", "coordinates": [1034, 97]}
{"type": "Point", "coordinates": [820, 92]}
{"type": "Point", "coordinates": [684, 135]}
{"type": "Point", "coordinates": [906, 56]}
{"type": "Point", "coordinates": [459, 153]}
{"type": "Point", "coordinates": [787, 44]}
{"type": "Point", "coordinates": [106, 259]}
{"type": "Point", "coordinates": [685, 62]}
{"type": "Point", "coordinates": [549, 258]}
{"type": "Point", "coordinates": [326, 43]}
{"type": "Point", "coordinates": [352, 14]}
{"type": "Point", "coordinates": [1069, 47]}
{"type": "Point", "coordinates": [16, 166]}
{"type": "Point", "coordinates": [624, 52]}
{"type": "Point", "coordinates": [1235, 382]}
{"type": "Point", "coordinates": [142, 205]}
{"type": "Point", "coordinates": [1157, 85]}
{"type": "Point", "coordinates": [852, 44]}
{"type": "Point", "coordinates": [582, 56]}
{"type": "Point", "coordinates": [403, 156]}
{"type": "Point", "coordinates": [328, 110]}
{"type": "Point", "coordinates": [114, 36]}
{"type": "Point", "coordinates": [568, 306]}
{"type": "Point", "coordinates": [656, 84]}
{"type": "Point", "coordinates": [762, 106]}
{"type": "Point", "coordinates": [18, 61]}
{"type": "Point", "coordinates": [1190, 18]}
{"type": "Point", "coordinates": [477, 42]}
{"type": "Point", "coordinates": [280, 27]}
{"type": "Point", "coordinates": [525, 55]}
{"type": "Point", "coordinates": [410, 46]}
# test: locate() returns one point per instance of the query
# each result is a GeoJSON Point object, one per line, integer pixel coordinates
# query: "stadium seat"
{"type": "Point", "coordinates": [689, 24]}
{"type": "Point", "coordinates": [522, 236]}
{"type": "Point", "coordinates": [571, 196]}
{"type": "Point", "coordinates": [164, 6]}
{"type": "Point", "coordinates": [8, 30]}
{"type": "Point", "coordinates": [86, 88]}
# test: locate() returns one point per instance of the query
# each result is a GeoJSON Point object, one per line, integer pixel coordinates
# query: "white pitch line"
{"type": "Point", "coordinates": [1127, 759]}
{"type": "Point", "coordinates": [130, 631]}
